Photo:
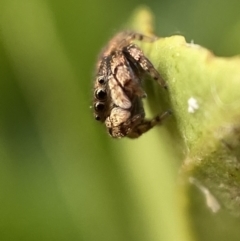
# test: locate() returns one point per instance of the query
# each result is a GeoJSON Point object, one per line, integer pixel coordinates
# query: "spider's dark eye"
{"type": "Point", "coordinates": [101, 81]}
{"type": "Point", "coordinates": [100, 94]}
{"type": "Point", "coordinates": [99, 106]}
{"type": "Point", "coordinates": [97, 117]}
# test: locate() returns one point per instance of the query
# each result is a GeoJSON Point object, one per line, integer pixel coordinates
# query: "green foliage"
{"type": "Point", "coordinates": [204, 96]}
{"type": "Point", "coordinates": [203, 93]}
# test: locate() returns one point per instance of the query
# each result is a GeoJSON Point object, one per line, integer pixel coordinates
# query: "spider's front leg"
{"type": "Point", "coordinates": [135, 55]}
{"type": "Point", "coordinates": [146, 125]}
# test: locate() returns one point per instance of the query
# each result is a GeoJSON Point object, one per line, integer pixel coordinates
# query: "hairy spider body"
{"type": "Point", "coordinates": [118, 88]}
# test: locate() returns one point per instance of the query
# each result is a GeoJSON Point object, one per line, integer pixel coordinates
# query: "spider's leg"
{"type": "Point", "coordinates": [146, 125]}
{"type": "Point", "coordinates": [142, 37]}
{"type": "Point", "coordinates": [135, 54]}
{"type": "Point", "coordinates": [124, 77]}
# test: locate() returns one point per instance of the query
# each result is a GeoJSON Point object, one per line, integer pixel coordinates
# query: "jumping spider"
{"type": "Point", "coordinates": [118, 90]}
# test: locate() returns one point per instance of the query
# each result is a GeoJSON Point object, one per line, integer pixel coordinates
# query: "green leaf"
{"type": "Point", "coordinates": [203, 94]}
{"type": "Point", "coordinates": [202, 136]}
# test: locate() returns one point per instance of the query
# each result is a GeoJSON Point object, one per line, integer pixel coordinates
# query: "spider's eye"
{"type": "Point", "coordinates": [100, 94]}
{"type": "Point", "coordinates": [99, 106]}
{"type": "Point", "coordinates": [97, 117]}
{"type": "Point", "coordinates": [101, 81]}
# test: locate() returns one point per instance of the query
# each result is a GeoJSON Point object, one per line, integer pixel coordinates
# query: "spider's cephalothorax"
{"type": "Point", "coordinates": [118, 90]}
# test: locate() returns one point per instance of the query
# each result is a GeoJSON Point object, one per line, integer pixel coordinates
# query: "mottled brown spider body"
{"type": "Point", "coordinates": [118, 88]}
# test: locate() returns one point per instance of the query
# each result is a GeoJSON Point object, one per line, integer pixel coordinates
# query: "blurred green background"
{"type": "Point", "coordinates": [61, 176]}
